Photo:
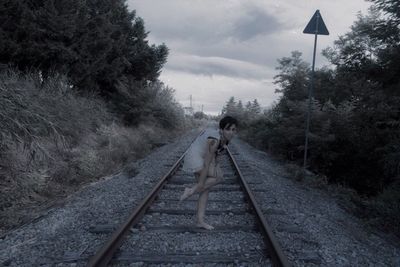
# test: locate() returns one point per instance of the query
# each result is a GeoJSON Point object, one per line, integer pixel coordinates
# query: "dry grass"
{"type": "Point", "coordinates": [53, 141]}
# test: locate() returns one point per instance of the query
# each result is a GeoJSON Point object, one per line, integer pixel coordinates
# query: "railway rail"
{"type": "Point", "coordinates": [161, 230]}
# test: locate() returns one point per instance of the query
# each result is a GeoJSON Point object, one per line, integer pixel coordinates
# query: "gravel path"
{"type": "Point", "coordinates": [63, 232]}
{"type": "Point", "coordinates": [311, 227]}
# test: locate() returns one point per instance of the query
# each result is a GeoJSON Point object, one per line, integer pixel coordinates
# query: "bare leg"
{"type": "Point", "coordinates": [210, 182]}
{"type": "Point", "coordinates": [201, 210]}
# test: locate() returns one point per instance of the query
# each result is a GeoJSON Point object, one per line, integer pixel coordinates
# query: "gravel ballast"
{"type": "Point", "coordinates": [64, 232]}
{"type": "Point", "coordinates": [311, 227]}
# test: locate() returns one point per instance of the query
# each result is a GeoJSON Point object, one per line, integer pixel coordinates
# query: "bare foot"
{"type": "Point", "coordinates": [187, 193]}
{"type": "Point", "coordinates": [205, 226]}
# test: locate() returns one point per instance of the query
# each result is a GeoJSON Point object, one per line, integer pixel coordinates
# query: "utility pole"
{"type": "Point", "coordinates": [191, 105]}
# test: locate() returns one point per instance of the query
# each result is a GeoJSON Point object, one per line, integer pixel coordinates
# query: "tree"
{"type": "Point", "coordinates": [230, 107]}
{"type": "Point", "coordinates": [138, 101]}
{"type": "Point", "coordinates": [35, 35]}
{"type": "Point", "coordinates": [255, 107]}
{"type": "Point", "coordinates": [199, 115]}
{"type": "Point", "coordinates": [371, 50]}
{"type": "Point", "coordinates": [293, 77]}
{"type": "Point", "coordinates": [94, 42]}
{"type": "Point", "coordinates": [239, 107]}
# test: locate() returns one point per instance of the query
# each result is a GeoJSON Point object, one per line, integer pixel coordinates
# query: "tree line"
{"type": "Point", "coordinates": [355, 124]}
{"type": "Point", "coordinates": [80, 98]}
{"type": "Point", "coordinates": [243, 113]}
{"type": "Point", "coordinates": [99, 45]}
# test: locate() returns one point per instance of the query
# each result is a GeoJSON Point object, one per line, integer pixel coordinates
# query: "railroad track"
{"type": "Point", "coordinates": [162, 231]}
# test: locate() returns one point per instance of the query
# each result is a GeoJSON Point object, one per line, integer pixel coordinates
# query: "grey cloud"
{"type": "Point", "coordinates": [195, 31]}
{"type": "Point", "coordinates": [240, 39]}
{"type": "Point", "coordinates": [210, 69]}
{"type": "Point", "coordinates": [210, 66]}
{"type": "Point", "coordinates": [255, 23]}
{"type": "Point", "coordinates": [206, 23]}
{"type": "Point", "coordinates": [256, 31]}
{"type": "Point", "coordinates": [264, 53]}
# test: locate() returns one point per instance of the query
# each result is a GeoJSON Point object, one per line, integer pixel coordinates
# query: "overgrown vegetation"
{"type": "Point", "coordinates": [79, 96]}
{"type": "Point", "coordinates": [355, 126]}
{"type": "Point", "coordinates": [53, 140]}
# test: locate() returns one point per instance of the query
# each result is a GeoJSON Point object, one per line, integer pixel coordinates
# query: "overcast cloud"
{"type": "Point", "coordinates": [224, 48]}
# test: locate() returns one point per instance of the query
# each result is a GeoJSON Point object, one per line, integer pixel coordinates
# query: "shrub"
{"type": "Point", "coordinates": [53, 139]}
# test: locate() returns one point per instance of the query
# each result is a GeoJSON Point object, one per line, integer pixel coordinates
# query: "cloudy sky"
{"type": "Point", "coordinates": [223, 48]}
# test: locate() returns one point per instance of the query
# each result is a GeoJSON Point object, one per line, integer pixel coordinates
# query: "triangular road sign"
{"type": "Point", "coordinates": [316, 25]}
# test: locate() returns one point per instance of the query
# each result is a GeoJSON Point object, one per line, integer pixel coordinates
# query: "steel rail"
{"type": "Point", "coordinates": [105, 254]}
{"type": "Point", "coordinates": [276, 253]}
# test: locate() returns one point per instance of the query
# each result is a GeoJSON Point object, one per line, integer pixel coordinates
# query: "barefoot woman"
{"type": "Point", "coordinates": [202, 160]}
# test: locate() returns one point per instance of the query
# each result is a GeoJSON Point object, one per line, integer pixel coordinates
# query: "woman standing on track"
{"type": "Point", "coordinates": [202, 160]}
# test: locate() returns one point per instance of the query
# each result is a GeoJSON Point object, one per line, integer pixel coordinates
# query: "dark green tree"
{"type": "Point", "coordinates": [95, 42]}
{"type": "Point", "coordinates": [293, 77]}
{"type": "Point", "coordinates": [255, 107]}
{"type": "Point", "coordinates": [230, 107]}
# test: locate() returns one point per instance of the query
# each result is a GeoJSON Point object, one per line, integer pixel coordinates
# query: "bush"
{"type": "Point", "coordinates": [53, 139]}
{"type": "Point", "coordinates": [385, 208]}
{"type": "Point", "coordinates": [153, 102]}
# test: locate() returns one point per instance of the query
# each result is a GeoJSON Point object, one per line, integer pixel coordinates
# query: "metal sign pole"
{"type": "Point", "coordinates": [310, 89]}
{"type": "Point", "coordinates": [315, 26]}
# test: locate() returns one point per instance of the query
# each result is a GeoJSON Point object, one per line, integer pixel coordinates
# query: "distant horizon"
{"type": "Point", "coordinates": [232, 48]}
{"type": "Point", "coordinates": [216, 113]}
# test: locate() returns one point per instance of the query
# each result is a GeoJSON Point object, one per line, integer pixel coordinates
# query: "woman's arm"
{"type": "Point", "coordinates": [212, 146]}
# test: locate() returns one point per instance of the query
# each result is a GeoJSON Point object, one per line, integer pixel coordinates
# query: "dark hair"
{"type": "Point", "coordinates": [227, 121]}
